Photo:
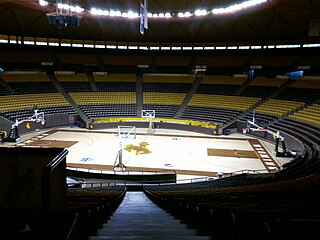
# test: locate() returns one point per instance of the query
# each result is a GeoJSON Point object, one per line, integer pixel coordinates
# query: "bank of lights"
{"type": "Point", "coordinates": [237, 7]}
{"type": "Point", "coordinates": [131, 14]}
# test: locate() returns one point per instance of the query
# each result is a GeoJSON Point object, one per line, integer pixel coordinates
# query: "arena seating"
{"type": "Point", "coordinates": [216, 115]}
{"type": "Point", "coordinates": [4, 90]}
{"type": "Point", "coordinates": [244, 205]}
{"type": "Point", "coordinates": [115, 82]}
{"type": "Point", "coordinates": [165, 93]}
{"type": "Point", "coordinates": [165, 104]}
{"type": "Point", "coordinates": [74, 83]}
{"type": "Point", "coordinates": [29, 83]}
{"type": "Point", "coordinates": [92, 206]}
{"type": "Point", "coordinates": [278, 108]}
{"type": "Point", "coordinates": [17, 106]}
{"type": "Point", "coordinates": [182, 67]}
{"type": "Point", "coordinates": [309, 115]}
{"type": "Point", "coordinates": [258, 210]}
{"type": "Point", "coordinates": [262, 87]}
{"type": "Point", "coordinates": [303, 90]}
{"type": "Point", "coordinates": [106, 104]}
{"type": "Point", "coordinates": [220, 85]}
{"type": "Point", "coordinates": [86, 210]}
{"type": "Point", "coordinates": [223, 101]}
{"type": "Point", "coordinates": [115, 96]}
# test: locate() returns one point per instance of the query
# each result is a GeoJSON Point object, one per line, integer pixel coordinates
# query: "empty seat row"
{"type": "Point", "coordinates": [221, 101]}
{"type": "Point", "coordinates": [217, 115]}
{"type": "Point", "coordinates": [278, 108]}
{"type": "Point", "coordinates": [83, 98]}
{"type": "Point", "coordinates": [162, 110]}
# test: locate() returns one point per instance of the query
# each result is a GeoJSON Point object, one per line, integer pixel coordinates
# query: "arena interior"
{"type": "Point", "coordinates": [160, 119]}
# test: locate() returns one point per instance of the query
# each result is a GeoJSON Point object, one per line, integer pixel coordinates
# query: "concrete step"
{"type": "Point", "coordinates": [137, 210]}
{"type": "Point", "coordinates": [137, 217]}
{"type": "Point", "coordinates": [146, 232]}
{"type": "Point", "coordinates": [150, 237]}
{"type": "Point", "coordinates": [120, 225]}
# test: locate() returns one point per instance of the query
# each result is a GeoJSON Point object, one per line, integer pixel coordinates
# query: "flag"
{"type": "Point", "coordinates": [141, 18]}
{"type": "Point", "coordinates": [145, 13]}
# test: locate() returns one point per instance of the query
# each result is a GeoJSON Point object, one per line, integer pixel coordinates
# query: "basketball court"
{"type": "Point", "coordinates": [190, 154]}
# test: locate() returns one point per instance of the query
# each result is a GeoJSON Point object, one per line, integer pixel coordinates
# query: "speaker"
{"type": "Point", "coordinates": [75, 21]}
{"type": "Point", "coordinates": [52, 19]}
{"type": "Point", "coordinates": [64, 20]}
{"type": "Point", "coordinates": [67, 20]}
{"type": "Point", "coordinates": [60, 20]}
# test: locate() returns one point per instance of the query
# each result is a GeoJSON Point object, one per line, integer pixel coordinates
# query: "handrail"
{"type": "Point", "coordinates": [124, 183]}
{"type": "Point", "coordinates": [249, 171]}
{"type": "Point", "coordinates": [46, 189]}
{"type": "Point", "coordinates": [168, 182]}
{"type": "Point", "coordinates": [55, 162]}
{"type": "Point", "coordinates": [73, 226]}
{"type": "Point", "coordinates": [87, 170]}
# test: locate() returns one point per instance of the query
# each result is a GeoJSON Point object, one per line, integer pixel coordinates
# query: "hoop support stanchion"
{"type": "Point", "coordinates": [150, 126]}
{"type": "Point", "coordinates": [124, 132]}
{"type": "Point", "coordinates": [149, 114]}
{"type": "Point", "coordinates": [118, 164]}
{"type": "Point", "coordinates": [13, 135]}
{"type": "Point", "coordinates": [252, 126]}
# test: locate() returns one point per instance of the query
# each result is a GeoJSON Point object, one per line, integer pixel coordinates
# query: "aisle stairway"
{"type": "Point", "coordinates": [138, 217]}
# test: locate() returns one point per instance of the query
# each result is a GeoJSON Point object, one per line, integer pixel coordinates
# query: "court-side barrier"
{"type": "Point", "coordinates": [88, 178]}
{"type": "Point", "coordinates": [164, 120]}
{"type": "Point", "coordinates": [69, 120]}
{"type": "Point", "coordinates": [123, 178]}
{"type": "Point", "coordinates": [167, 123]}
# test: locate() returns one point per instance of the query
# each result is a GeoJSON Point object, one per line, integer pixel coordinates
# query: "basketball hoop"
{"type": "Point", "coordinates": [148, 113]}
{"type": "Point", "coordinates": [37, 117]}
{"type": "Point", "coordinates": [124, 132]}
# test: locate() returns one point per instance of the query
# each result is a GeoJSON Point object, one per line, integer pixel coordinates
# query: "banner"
{"type": "Point", "coordinates": [141, 18]}
{"type": "Point", "coordinates": [145, 13]}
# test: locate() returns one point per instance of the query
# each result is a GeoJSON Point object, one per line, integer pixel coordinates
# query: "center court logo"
{"type": "Point", "coordinates": [141, 149]}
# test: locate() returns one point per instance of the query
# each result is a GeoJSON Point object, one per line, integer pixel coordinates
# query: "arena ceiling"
{"type": "Point", "coordinates": [274, 20]}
